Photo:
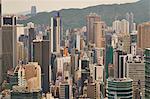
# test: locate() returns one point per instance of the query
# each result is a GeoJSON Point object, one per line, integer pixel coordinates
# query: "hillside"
{"type": "Point", "coordinates": [76, 17]}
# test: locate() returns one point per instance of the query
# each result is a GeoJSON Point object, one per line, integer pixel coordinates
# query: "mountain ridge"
{"type": "Point", "coordinates": [75, 17]}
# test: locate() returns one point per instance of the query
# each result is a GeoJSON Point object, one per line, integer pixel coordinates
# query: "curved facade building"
{"type": "Point", "coordinates": [119, 88]}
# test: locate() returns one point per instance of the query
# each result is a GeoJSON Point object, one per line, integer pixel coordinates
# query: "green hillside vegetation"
{"type": "Point", "coordinates": [73, 18]}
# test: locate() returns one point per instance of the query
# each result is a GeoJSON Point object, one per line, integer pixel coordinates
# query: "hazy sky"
{"type": "Point", "coordinates": [15, 6]}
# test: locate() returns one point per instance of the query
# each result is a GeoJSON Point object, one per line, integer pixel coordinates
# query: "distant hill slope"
{"type": "Point", "coordinates": [72, 18]}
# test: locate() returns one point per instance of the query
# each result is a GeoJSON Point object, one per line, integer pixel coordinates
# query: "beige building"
{"type": "Point", "coordinates": [124, 42]}
{"type": "Point", "coordinates": [29, 77]}
{"type": "Point", "coordinates": [99, 34]}
{"type": "Point", "coordinates": [21, 52]}
{"type": "Point", "coordinates": [143, 37]}
{"type": "Point", "coordinates": [90, 20]}
{"type": "Point", "coordinates": [93, 90]}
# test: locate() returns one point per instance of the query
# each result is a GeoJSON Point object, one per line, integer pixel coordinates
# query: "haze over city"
{"type": "Point", "coordinates": [17, 6]}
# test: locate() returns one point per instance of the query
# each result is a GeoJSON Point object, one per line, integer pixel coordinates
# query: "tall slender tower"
{"type": "Point", "coordinates": [55, 33]}
{"type": "Point", "coordinates": [130, 19]}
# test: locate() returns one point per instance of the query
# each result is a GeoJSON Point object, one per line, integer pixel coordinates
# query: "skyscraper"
{"type": "Point", "coordinates": [118, 61]}
{"type": "Point", "coordinates": [93, 91]}
{"type": "Point", "coordinates": [121, 26]}
{"type": "Point", "coordinates": [33, 10]}
{"type": "Point", "coordinates": [55, 33]}
{"type": "Point", "coordinates": [0, 13]}
{"type": "Point", "coordinates": [130, 19]}
{"type": "Point", "coordinates": [136, 71]}
{"type": "Point", "coordinates": [143, 35]}
{"type": "Point", "coordinates": [133, 42]}
{"type": "Point", "coordinates": [98, 34]}
{"type": "Point", "coordinates": [147, 73]}
{"type": "Point", "coordinates": [90, 20]}
{"type": "Point", "coordinates": [31, 37]}
{"type": "Point", "coordinates": [124, 27]}
{"type": "Point", "coordinates": [64, 91]}
{"type": "Point", "coordinates": [9, 42]}
{"type": "Point", "coordinates": [116, 26]}
{"type": "Point", "coordinates": [41, 55]}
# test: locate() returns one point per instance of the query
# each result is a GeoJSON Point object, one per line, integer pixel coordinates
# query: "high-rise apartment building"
{"type": "Point", "coordinates": [121, 26]}
{"type": "Point", "coordinates": [124, 27]}
{"type": "Point", "coordinates": [90, 20]}
{"type": "Point", "coordinates": [93, 90]}
{"type": "Point", "coordinates": [98, 34]}
{"type": "Point", "coordinates": [143, 35]}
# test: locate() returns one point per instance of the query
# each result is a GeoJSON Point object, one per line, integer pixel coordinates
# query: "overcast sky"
{"type": "Point", "coordinates": [15, 6]}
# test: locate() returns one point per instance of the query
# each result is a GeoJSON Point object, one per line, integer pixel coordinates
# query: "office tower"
{"type": "Point", "coordinates": [119, 63]}
{"type": "Point", "coordinates": [98, 34]}
{"type": "Point", "coordinates": [130, 19]}
{"type": "Point", "coordinates": [31, 37]}
{"type": "Point", "coordinates": [64, 91]}
{"type": "Point", "coordinates": [122, 88]}
{"type": "Point", "coordinates": [55, 33]}
{"type": "Point", "coordinates": [108, 58]}
{"type": "Point", "coordinates": [143, 35]}
{"type": "Point", "coordinates": [90, 20]}
{"type": "Point", "coordinates": [9, 42]}
{"type": "Point", "coordinates": [124, 27]}
{"type": "Point", "coordinates": [41, 55]}
{"type": "Point", "coordinates": [147, 74]}
{"type": "Point", "coordinates": [136, 71]}
{"type": "Point", "coordinates": [93, 90]}
{"type": "Point", "coordinates": [33, 10]}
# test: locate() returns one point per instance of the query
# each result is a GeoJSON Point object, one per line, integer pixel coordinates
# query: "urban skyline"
{"type": "Point", "coordinates": [93, 60]}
